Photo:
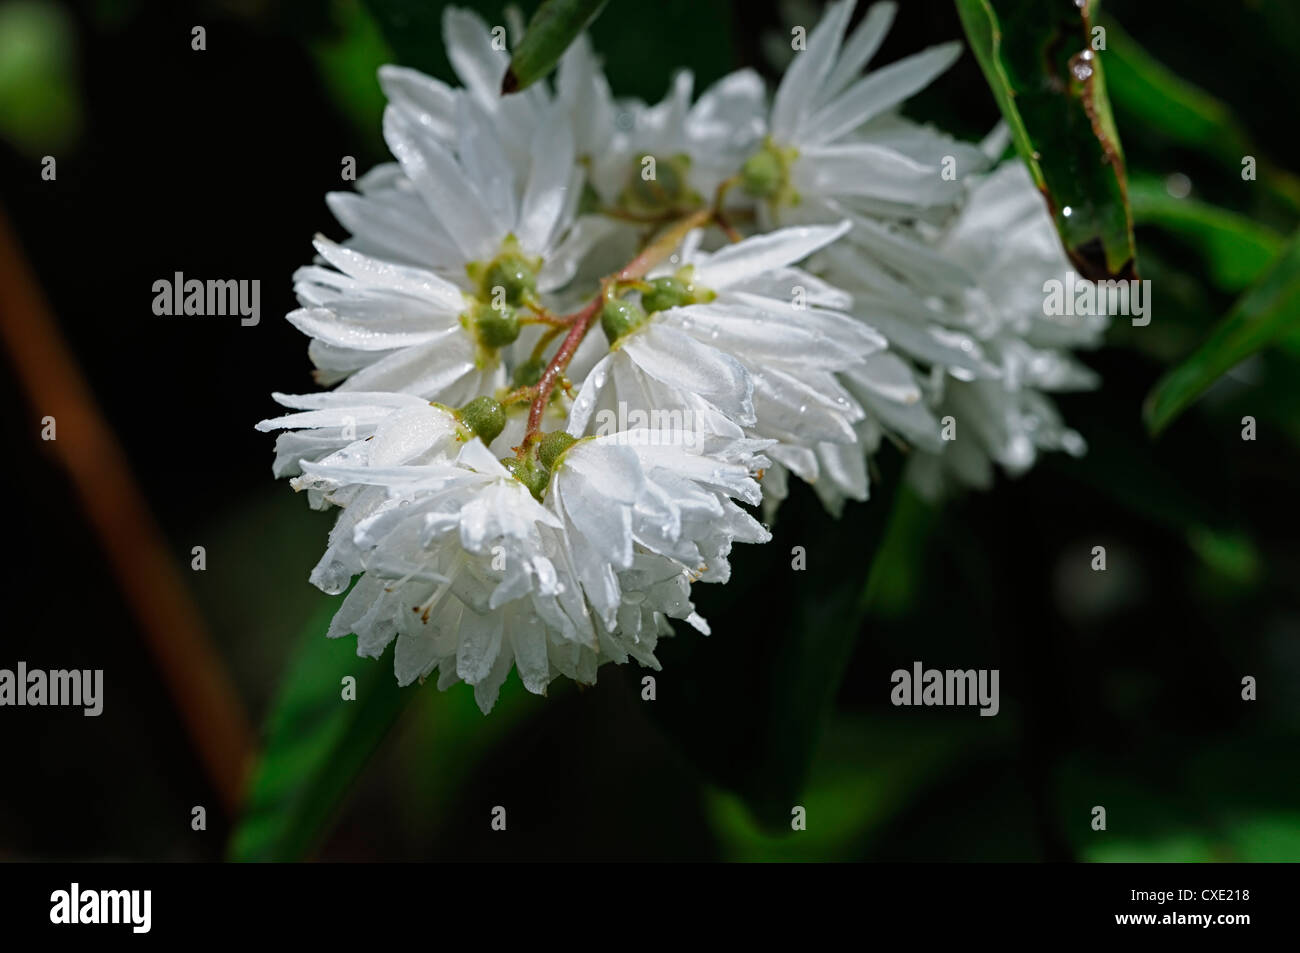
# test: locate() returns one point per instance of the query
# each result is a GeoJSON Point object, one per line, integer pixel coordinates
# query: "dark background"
{"type": "Point", "coordinates": [1119, 689]}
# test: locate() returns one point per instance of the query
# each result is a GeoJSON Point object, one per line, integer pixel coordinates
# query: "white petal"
{"type": "Point", "coordinates": [880, 91]}
{"type": "Point", "coordinates": [763, 253]}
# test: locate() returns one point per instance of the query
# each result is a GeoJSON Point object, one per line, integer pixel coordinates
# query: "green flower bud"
{"type": "Point", "coordinates": [484, 417]}
{"type": "Point", "coordinates": [619, 317]}
{"type": "Point", "coordinates": [763, 174]}
{"type": "Point", "coordinates": [553, 444]}
{"type": "Point", "coordinates": [659, 186]}
{"type": "Point", "coordinates": [665, 293]}
{"type": "Point", "coordinates": [529, 372]}
{"type": "Point", "coordinates": [530, 473]}
{"type": "Point", "coordinates": [514, 275]}
{"type": "Point", "coordinates": [495, 327]}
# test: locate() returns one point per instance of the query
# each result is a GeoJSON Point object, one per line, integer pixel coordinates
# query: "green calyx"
{"type": "Point", "coordinates": [766, 174]}
{"type": "Point", "coordinates": [657, 185]}
{"type": "Point", "coordinates": [528, 471]}
{"type": "Point", "coordinates": [512, 275]}
{"type": "Point", "coordinates": [495, 327]}
{"type": "Point", "coordinates": [552, 447]}
{"type": "Point", "coordinates": [533, 469]}
{"type": "Point", "coordinates": [620, 317]}
{"type": "Point", "coordinates": [673, 291]}
{"type": "Point", "coordinates": [484, 417]}
{"type": "Point", "coordinates": [508, 279]}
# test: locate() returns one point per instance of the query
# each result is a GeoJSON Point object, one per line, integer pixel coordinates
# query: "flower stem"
{"type": "Point", "coordinates": [581, 321]}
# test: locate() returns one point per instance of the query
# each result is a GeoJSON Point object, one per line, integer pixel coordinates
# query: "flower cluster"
{"type": "Point", "coordinates": [576, 339]}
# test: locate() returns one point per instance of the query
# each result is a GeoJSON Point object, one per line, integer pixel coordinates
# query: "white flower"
{"type": "Point", "coordinates": [744, 342]}
{"type": "Point", "coordinates": [473, 575]}
{"type": "Point", "coordinates": [663, 493]}
{"type": "Point", "coordinates": [835, 147]}
{"type": "Point", "coordinates": [993, 349]}
{"type": "Point", "coordinates": [338, 432]}
{"type": "Point", "coordinates": [383, 429]}
{"type": "Point", "coordinates": [458, 568]}
{"type": "Point", "coordinates": [376, 325]}
{"type": "Point", "coordinates": [480, 63]}
{"type": "Point", "coordinates": [479, 541]}
{"type": "Point", "coordinates": [669, 156]}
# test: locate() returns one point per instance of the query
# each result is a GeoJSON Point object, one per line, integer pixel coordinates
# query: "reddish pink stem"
{"type": "Point", "coordinates": [582, 322]}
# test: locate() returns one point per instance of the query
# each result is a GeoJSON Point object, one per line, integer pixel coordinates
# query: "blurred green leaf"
{"type": "Point", "coordinates": [316, 744]}
{"type": "Point", "coordinates": [1158, 100]}
{"type": "Point", "coordinates": [1265, 312]}
{"type": "Point", "coordinates": [1232, 555]}
{"type": "Point", "coordinates": [349, 64]}
{"type": "Point", "coordinates": [1236, 249]}
{"type": "Point", "coordinates": [553, 27]}
{"type": "Point", "coordinates": [1051, 89]}
{"type": "Point", "coordinates": [895, 577]}
{"type": "Point", "coordinates": [1229, 801]}
{"type": "Point", "coordinates": [866, 771]}
{"type": "Point", "coordinates": [40, 106]}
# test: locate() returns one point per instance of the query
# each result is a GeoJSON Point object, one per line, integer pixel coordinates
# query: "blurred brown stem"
{"type": "Point", "coordinates": [144, 565]}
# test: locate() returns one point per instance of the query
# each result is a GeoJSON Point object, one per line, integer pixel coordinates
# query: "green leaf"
{"type": "Point", "coordinates": [1157, 100]}
{"type": "Point", "coordinates": [317, 742]}
{"type": "Point", "coordinates": [40, 105]}
{"type": "Point", "coordinates": [1236, 249]}
{"type": "Point", "coordinates": [1051, 89]}
{"type": "Point", "coordinates": [1215, 802]}
{"type": "Point", "coordinates": [553, 27]}
{"type": "Point", "coordinates": [1268, 310]}
{"type": "Point", "coordinates": [349, 62]}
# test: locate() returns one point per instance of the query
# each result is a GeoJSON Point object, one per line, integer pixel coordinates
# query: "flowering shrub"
{"type": "Point", "coordinates": [750, 289]}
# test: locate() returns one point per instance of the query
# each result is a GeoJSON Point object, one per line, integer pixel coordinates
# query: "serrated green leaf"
{"type": "Point", "coordinates": [1050, 86]}
{"type": "Point", "coordinates": [553, 27]}
{"type": "Point", "coordinates": [316, 744]}
{"type": "Point", "coordinates": [1268, 310]}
